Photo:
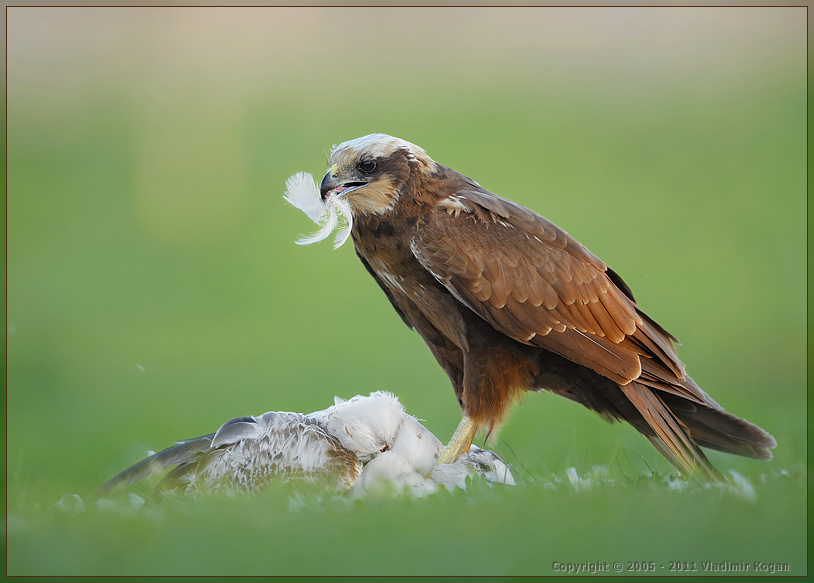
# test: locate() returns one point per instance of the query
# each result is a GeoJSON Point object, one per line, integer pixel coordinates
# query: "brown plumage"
{"type": "Point", "coordinates": [509, 302]}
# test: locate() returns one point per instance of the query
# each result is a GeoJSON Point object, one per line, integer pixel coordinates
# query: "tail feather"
{"type": "Point", "coordinates": [674, 414]}
{"type": "Point", "coordinates": [671, 437]}
{"type": "Point", "coordinates": [716, 429]}
{"type": "Point", "coordinates": [662, 448]}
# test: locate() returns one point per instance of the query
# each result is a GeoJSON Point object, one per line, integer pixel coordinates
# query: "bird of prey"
{"type": "Point", "coordinates": [509, 302]}
{"type": "Point", "coordinates": [364, 445]}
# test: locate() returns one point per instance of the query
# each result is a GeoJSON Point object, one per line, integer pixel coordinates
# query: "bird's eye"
{"type": "Point", "coordinates": [385, 448]}
{"type": "Point", "coordinates": [367, 166]}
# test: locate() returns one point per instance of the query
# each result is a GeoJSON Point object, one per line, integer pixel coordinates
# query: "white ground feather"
{"type": "Point", "coordinates": [302, 192]}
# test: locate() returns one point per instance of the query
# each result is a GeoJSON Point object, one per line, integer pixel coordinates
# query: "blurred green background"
{"type": "Point", "coordinates": [155, 290]}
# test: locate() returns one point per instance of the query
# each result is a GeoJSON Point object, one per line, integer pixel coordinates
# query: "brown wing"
{"type": "Point", "coordinates": [535, 283]}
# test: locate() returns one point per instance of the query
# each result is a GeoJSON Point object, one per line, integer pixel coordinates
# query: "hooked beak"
{"type": "Point", "coordinates": [331, 185]}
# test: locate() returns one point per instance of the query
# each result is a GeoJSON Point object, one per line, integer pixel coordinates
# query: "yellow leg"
{"type": "Point", "coordinates": [460, 442]}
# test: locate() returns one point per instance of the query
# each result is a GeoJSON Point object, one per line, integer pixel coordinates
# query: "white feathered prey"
{"type": "Point", "coordinates": [302, 192]}
{"type": "Point", "coordinates": [367, 445]}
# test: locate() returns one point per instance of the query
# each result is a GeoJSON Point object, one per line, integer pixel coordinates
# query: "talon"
{"type": "Point", "coordinates": [460, 441]}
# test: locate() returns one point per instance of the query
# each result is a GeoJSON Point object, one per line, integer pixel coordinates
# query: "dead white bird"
{"type": "Point", "coordinates": [366, 444]}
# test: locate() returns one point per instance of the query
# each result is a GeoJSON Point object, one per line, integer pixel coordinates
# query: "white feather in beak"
{"type": "Point", "coordinates": [302, 192]}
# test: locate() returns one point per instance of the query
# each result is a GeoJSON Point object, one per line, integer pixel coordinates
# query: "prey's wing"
{"type": "Point", "coordinates": [247, 452]}
{"type": "Point", "coordinates": [186, 452]}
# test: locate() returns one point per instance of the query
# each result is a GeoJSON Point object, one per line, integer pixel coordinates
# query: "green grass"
{"type": "Point", "coordinates": [486, 531]}
{"type": "Point", "coordinates": [155, 290]}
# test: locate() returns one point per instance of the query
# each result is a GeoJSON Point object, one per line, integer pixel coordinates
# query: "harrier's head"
{"type": "Point", "coordinates": [367, 172]}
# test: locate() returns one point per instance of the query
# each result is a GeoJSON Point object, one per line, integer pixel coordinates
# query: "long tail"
{"type": "Point", "coordinates": [674, 414]}
{"type": "Point", "coordinates": [672, 438]}
{"type": "Point", "coordinates": [677, 427]}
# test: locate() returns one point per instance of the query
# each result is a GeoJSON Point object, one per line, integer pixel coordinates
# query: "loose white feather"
{"type": "Point", "coordinates": [302, 192]}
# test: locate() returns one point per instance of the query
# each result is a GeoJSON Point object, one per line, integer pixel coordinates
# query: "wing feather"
{"type": "Point", "coordinates": [247, 452]}
{"type": "Point", "coordinates": [536, 284]}
{"type": "Point", "coordinates": [184, 453]}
